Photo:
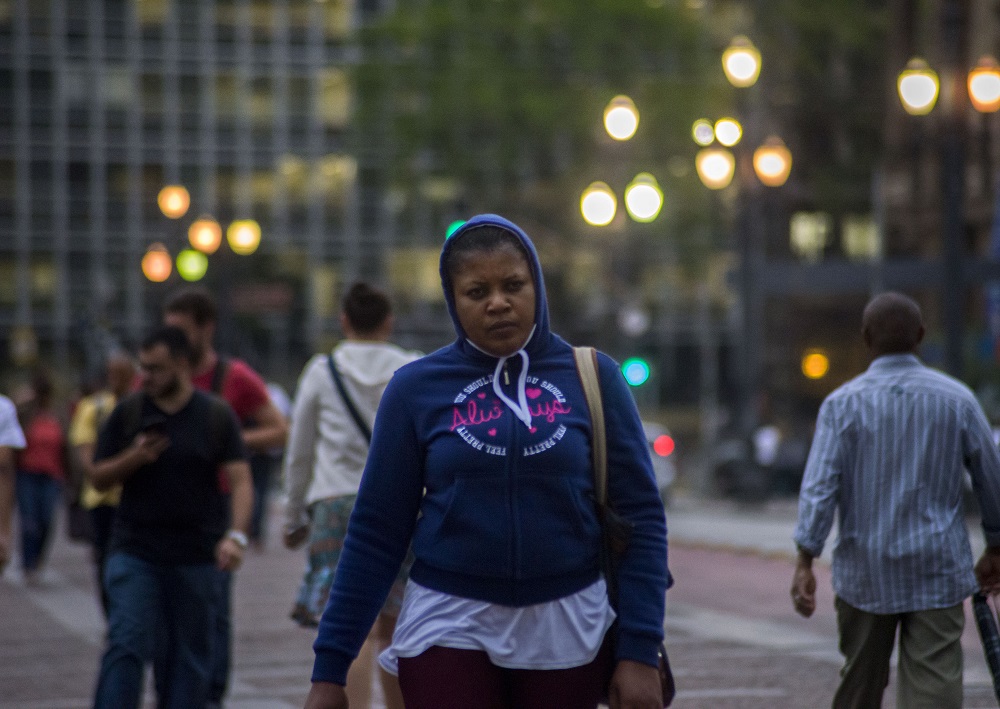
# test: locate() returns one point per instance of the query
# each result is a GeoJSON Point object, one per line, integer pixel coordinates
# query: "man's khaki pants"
{"type": "Point", "coordinates": [930, 658]}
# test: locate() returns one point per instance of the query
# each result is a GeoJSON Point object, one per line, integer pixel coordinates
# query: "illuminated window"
{"type": "Point", "coordinates": [334, 100]}
{"type": "Point", "coordinates": [809, 234]}
{"type": "Point", "coordinates": [862, 240]}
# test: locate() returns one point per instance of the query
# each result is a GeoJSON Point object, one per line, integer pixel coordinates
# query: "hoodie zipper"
{"type": "Point", "coordinates": [512, 467]}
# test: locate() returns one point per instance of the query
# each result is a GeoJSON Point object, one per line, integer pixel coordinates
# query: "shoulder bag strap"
{"type": "Point", "coordinates": [586, 366]}
{"type": "Point", "coordinates": [347, 400]}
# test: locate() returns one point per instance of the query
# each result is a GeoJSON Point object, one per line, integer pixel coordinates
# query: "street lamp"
{"type": "Point", "coordinates": [984, 85]}
{"type": "Point", "coordinates": [643, 198]}
{"type": "Point", "coordinates": [621, 118]}
{"type": "Point", "coordinates": [243, 236]}
{"type": "Point", "coordinates": [598, 204]}
{"type": "Point", "coordinates": [741, 62]}
{"type": "Point", "coordinates": [156, 263]}
{"type": "Point", "coordinates": [703, 132]}
{"type": "Point", "coordinates": [192, 265]}
{"type": "Point", "coordinates": [174, 201]}
{"type": "Point", "coordinates": [716, 167]}
{"type": "Point", "coordinates": [205, 234]}
{"type": "Point", "coordinates": [918, 87]}
{"type": "Point", "coordinates": [772, 162]}
{"type": "Point", "coordinates": [728, 131]}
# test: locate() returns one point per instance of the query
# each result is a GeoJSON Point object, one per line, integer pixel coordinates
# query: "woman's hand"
{"type": "Point", "coordinates": [326, 695]}
{"type": "Point", "coordinates": [635, 685]}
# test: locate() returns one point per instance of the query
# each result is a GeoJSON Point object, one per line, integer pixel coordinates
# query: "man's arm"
{"type": "Point", "coordinates": [983, 462]}
{"type": "Point", "coordinates": [6, 502]}
{"type": "Point", "coordinates": [269, 431]}
{"type": "Point", "coordinates": [145, 449]}
{"type": "Point", "coordinates": [229, 552]}
{"type": "Point", "coordinates": [818, 497]}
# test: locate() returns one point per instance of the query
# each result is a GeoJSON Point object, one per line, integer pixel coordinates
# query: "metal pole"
{"type": "Point", "coordinates": [954, 20]}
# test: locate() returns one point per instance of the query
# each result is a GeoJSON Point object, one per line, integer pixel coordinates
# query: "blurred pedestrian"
{"type": "Point", "coordinates": [194, 311]}
{"type": "Point", "coordinates": [481, 458]}
{"type": "Point", "coordinates": [11, 441]}
{"type": "Point", "coordinates": [89, 417]}
{"type": "Point", "coordinates": [165, 446]}
{"type": "Point", "coordinates": [327, 448]}
{"type": "Point", "coordinates": [889, 457]}
{"type": "Point", "coordinates": [41, 472]}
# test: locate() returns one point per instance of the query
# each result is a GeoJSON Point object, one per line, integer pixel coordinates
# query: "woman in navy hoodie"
{"type": "Point", "coordinates": [480, 459]}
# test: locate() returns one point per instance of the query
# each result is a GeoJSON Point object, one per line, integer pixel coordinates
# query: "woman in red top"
{"type": "Point", "coordinates": [41, 469]}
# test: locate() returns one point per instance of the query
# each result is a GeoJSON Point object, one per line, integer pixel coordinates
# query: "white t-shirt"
{"type": "Point", "coordinates": [11, 434]}
{"type": "Point", "coordinates": [556, 635]}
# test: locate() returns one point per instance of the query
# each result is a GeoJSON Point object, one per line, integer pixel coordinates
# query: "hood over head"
{"type": "Point", "coordinates": [518, 404]}
{"type": "Point", "coordinates": [541, 332]}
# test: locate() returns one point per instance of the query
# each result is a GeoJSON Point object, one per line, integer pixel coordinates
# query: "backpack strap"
{"type": "Point", "coordinates": [218, 420]}
{"type": "Point", "coordinates": [219, 375]}
{"type": "Point", "coordinates": [351, 409]}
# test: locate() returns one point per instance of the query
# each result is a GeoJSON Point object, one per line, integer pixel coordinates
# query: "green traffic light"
{"type": "Point", "coordinates": [636, 371]}
{"type": "Point", "coordinates": [453, 227]}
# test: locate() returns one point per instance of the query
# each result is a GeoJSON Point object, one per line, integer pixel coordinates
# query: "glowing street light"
{"type": "Point", "coordinates": [243, 236]}
{"type": "Point", "coordinates": [643, 198]}
{"type": "Point", "coordinates": [174, 201]}
{"type": "Point", "coordinates": [703, 132]}
{"type": "Point", "coordinates": [205, 234]}
{"type": "Point", "coordinates": [741, 62]}
{"type": "Point", "coordinates": [918, 87]}
{"type": "Point", "coordinates": [715, 167]}
{"type": "Point", "coordinates": [728, 131]}
{"type": "Point", "coordinates": [192, 264]}
{"type": "Point", "coordinates": [156, 264]}
{"type": "Point", "coordinates": [815, 364]}
{"type": "Point", "coordinates": [621, 118]}
{"type": "Point", "coordinates": [984, 85]}
{"type": "Point", "coordinates": [772, 162]}
{"type": "Point", "coordinates": [598, 204]}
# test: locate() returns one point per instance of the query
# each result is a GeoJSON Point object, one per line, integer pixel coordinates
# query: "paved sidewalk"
{"type": "Point", "coordinates": [53, 634]}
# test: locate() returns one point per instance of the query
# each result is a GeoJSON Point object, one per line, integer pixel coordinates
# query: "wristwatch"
{"type": "Point", "coordinates": [239, 537]}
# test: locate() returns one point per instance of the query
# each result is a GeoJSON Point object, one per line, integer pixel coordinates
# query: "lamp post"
{"type": "Point", "coordinates": [918, 91]}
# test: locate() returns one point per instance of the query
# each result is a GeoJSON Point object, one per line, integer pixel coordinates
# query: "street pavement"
{"type": "Point", "coordinates": [733, 638]}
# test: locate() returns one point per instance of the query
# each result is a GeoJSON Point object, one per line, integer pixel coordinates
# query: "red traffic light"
{"type": "Point", "coordinates": [663, 445]}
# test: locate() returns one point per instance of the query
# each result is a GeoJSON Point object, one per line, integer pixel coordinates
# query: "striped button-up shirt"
{"type": "Point", "coordinates": [889, 455]}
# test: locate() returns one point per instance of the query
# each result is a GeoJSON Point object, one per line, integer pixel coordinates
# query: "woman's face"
{"type": "Point", "coordinates": [495, 299]}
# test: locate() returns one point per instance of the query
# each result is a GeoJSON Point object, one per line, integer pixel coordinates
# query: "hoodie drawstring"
{"type": "Point", "coordinates": [520, 409]}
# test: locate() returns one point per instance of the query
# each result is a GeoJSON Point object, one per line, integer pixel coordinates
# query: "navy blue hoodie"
{"type": "Point", "coordinates": [496, 492]}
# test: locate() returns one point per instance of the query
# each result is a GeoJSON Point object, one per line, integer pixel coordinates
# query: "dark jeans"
{"type": "Point", "coordinates": [102, 518]}
{"type": "Point", "coordinates": [222, 639]}
{"type": "Point", "coordinates": [147, 599]}
{"type": "Point", "coordinates": [261, 465]}
{"type": "Point", "coordinates": [37, 497]}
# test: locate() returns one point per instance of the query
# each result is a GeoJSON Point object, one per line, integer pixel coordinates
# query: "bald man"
{"type": "Point", "coordinates": [90, 414]}
{"type": "Point", "coordinates": [889, 458]}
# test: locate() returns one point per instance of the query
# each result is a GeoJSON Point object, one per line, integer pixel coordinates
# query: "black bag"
{"type": "Point", "coordinates": [616, 531]}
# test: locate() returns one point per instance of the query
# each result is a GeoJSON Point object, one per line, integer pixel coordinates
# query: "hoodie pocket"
{"type": "Point", "coordinates": [473, 534]}
{"type": "Point", "coordinates": [559, 528]}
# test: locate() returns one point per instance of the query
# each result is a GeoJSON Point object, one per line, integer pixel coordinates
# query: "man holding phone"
{"type": "Point", "coordinates": [165, 445]}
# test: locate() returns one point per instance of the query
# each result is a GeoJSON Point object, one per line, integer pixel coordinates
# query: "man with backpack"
{"type": "Point", "coordinates": [166, 445]}
{"type": "Point", "coordinates": [264, 428]}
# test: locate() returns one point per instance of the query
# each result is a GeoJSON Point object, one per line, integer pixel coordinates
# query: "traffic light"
{"type": "Point", "coordinates": [635, 370]}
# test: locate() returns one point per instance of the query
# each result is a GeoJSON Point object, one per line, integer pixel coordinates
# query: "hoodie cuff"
{"type": "Point", "coordinates": [640, 648]}
{"type": "Point", "coordinates": [331, 666]}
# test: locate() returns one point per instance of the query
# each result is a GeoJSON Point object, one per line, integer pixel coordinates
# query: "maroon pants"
{"type": "Point", "coordinates": [445, 678]}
